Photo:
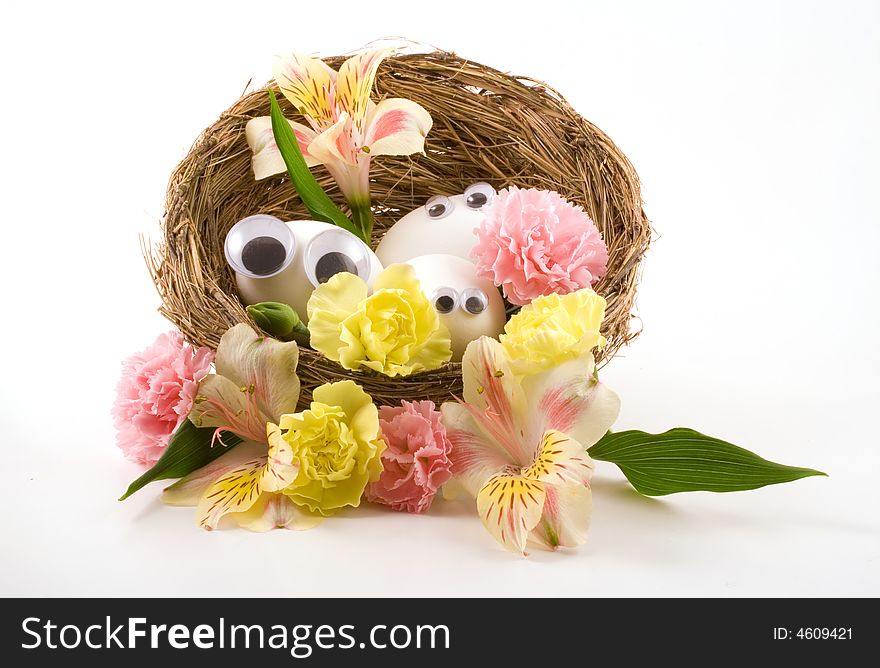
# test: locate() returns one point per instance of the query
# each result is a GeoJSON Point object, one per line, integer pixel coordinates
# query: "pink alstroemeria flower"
{"type": "Point", "coordinates": [255, 384]}
{"type": "Point", "coordinates": [345, 127]}
{"type": "Point", "coordinates": [519, 445]}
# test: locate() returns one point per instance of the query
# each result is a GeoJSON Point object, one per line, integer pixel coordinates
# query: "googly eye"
{"type": "Point", "coordinates": [474, 301]}
{"type": "Point", "coordinates": [259, 246]}
{"type": "Point", "coordinates": [333, 252]}
{"type": "Point", "coordinates": [445, 300]}
{"type": "Point", "coordinates": [439, 207]}
{"type": "Point", "coordinates": [479, 195]}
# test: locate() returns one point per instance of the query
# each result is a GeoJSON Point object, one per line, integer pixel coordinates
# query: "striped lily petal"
{"type": "Point", "coordinates": [280, 469]}
{"type": "Point", "coordinates": [262, 366]}
{"type": "Point", "coordinates": [335, 144]}
{"type": "Point", "coordinates": [266, 160]}
{"type": "Point", "coordinates": [189, 490]}
{"type": "Point", "coordinates": [560, 460]}
{"type": "Point", "coordinates": [474, 456]}
{"type": "Point", "coordinates": [275, 511]}
{"type": "Point", "coordinates": [494, 397]}
{"type": "Point", "coordinates": [228, 406]}
{"type": "Point", "coordinates": [234, 492]}
{"type": "Point", "coordinates": [568, 398]}
{"type": "Point", "coordinates": [239, 489]}
{"type": "Point", "coordinates": [397, 127]}
{"type": "Point", "coordinates": [511, 507]}
{"type": "Point", "coordinates": [355, 81]}
{"type": "Point", "coordinates": [567, 513]}
{"type": "Point", "coordinates": [308, 84]}
{"type": "Point", "coordinates": [565, 468]}
{"type": "Point", "coordinates": [255, 383]}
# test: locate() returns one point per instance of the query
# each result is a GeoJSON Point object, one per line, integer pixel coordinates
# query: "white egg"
{"type": "Point", "coordinates": [444, 225]}
{"type": "Point", "coordinates": [277, 261]}
{"type": "Point", "coordinates": [469, 306]}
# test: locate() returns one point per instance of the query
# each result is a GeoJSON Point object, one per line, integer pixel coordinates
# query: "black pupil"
{"type": "Point", "coordinates": [263, 255]}
{"type": "Point", "coordinates": [444, 303]}
{"type": "Point", "coordinates": [436, 210]}
{"type": "Point", "coordinates": [476, 200]}
{"type": "Point", "coordinates": [334, 263]}
{"type": "Point", "coordinates": [474, 305]}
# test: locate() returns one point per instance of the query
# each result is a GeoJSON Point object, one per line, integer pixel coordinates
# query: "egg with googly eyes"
{"type": "Point", "coordinates": [278, 261]}
{"type": "Point", "coordinates": [469, 306]}
{"type": "Point", "coordinates": [444, 225]}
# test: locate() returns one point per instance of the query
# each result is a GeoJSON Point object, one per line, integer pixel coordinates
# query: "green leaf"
{"type": "Point", "coordinates": [684, 460]}
{"type": "Point", "coordinates": [310, 191]}
{"type": "Point", "coordinates": [189, 449]}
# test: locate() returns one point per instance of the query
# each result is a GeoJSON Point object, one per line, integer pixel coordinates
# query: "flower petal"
{"type": "Point", "coordinates": [554, 328]}
{"type": "Point", "coordinates": [495, 398]}
{"type": "Point", "coordinates": [560, 460]}
{"type": "Point", "coordinates": [188, 490]}
{"type": "Point", "coordinates": [355, 82]}
{"type": "Point", "coordinates": [237, 481]}
{"type": "Point", "coordinates": [263, 365]}
{"type": "Point", "coordinates": [233, 492]}
{"type": "Point", "coordinates": [397, 127]}
{"type": "Point", "coordinates": [226, 405]}
{"type": "Point", "coordinates": [475, 457]}
{"type": "Point", "coordinates": [280, 467]}
{"type": "Point", "coordinates": [267, 160]}
{"type": "Point", "coordinates": [398, 277]}
{"type": "Point", "coordinates": [276, 511]}
{"type": "Point", "coordinates": [570, 399]}
{"type": "Point", "coordinates": [360, 412]}
{"type": "Point", "coordinates": [434, 347]}
{"type": "Point", "coordinates": [567, 513]}
{"type": "Point", "coordinates": [330, 304]}
{"type": "Point", "coordinates": [308, 84]}
{"type": "Point", "coordinates": [488, 380]}
{"type": "Point", "coordinates": [337, 446]}
{"type": "Point", "coordinates": [510, 507]}
{"type": "Point", "coordinates": [335, 144]}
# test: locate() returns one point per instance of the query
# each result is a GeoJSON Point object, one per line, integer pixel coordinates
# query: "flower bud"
{"type": "Point", "coordinates": [276, 319]}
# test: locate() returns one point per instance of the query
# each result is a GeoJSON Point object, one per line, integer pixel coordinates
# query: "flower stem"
{"type": "Point", "coordinates": [362, 217]}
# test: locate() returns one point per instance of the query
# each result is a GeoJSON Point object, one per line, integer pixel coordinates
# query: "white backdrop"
{"type": "Point", "coordinates": [754, 129]}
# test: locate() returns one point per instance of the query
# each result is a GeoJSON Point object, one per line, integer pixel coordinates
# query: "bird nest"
{"type": "Point", "coordinates": [488, 126]}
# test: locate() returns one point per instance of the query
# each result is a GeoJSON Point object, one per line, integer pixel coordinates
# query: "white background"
{"type": "Point", "coordinates": [754, 127]}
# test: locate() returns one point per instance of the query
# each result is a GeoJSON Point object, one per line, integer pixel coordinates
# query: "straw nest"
{"type": "Point", "coordinates": [488, 126]}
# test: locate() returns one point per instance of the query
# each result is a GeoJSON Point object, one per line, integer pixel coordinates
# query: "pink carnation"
{"type": "Point", "coordinates": [533, 242]}
{"type": "Point", "coordinates": [155, 394]}
{"type": "Point", "coordinates": [416, 460]}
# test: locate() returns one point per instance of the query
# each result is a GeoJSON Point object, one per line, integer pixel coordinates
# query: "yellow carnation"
{"type": "Point", "coordinates": [394, 331]}
{"type": "Point", "coordinates": [336, 444]}
{"type": "Point", "coordinates": [552, 329]}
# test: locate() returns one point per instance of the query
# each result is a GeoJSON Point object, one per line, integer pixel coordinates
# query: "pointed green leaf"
{"type": "Point", "coordinates": [189, 449]}
{"type": "Point", "coordinates": [684, 460]}
{"type": "Point", "coordinates": [310, 191]}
